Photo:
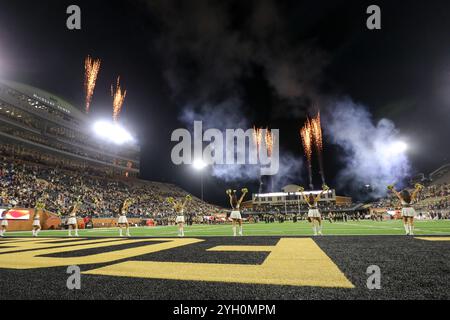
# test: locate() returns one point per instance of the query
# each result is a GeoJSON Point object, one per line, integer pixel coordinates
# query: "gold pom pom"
{"type": "Point", "coordinates": [390, 187]}
{"type": "Point", "coordinates": [244, 190]}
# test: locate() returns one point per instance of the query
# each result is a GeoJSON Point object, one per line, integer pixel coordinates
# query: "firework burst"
{"type": "Point", "coordinates": [317, 132]}
{"type": "Point", "coordinates": [317, 135]}
{"type": "Point", "coordinates": [269, 142]}
{"type": "Point", "coordinates": [257, 137]}
{"type": "Point", "coordinates": [269, 138]}
{"type": "Point", "coordinates": [306, 134]}
{"type": "Point", "coordinates": [307, 139]}
{"type": "Point", "coordinates": [91, 69]}
{"type": "Point", "coordinates": [118, 99]}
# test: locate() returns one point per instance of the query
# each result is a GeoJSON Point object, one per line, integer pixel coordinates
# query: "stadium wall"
{"type": "Point", "coordinates": [112, 222]}
{"type": "Point", "coordinates": [343, 200]}
{"type": "Point", "coordinates": [48, 221]}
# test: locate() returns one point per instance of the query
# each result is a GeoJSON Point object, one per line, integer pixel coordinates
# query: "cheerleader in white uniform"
{"type": "Point", "coordinates": [4, 225]}
{"type": "Point", "coordinates": [4, 222]}
{"type": "Point", "coordinates": [408, 211]}
{"type": "Point", "coordinates": [235, 205]}
{"type": "Point", "coordinates": [313, 212]}
{"type": "Point", "coordinates": [38, 209]}
{"type": "Point", "coordinates": [123, 221]}
{"type": "Point", "coordinates": [72, 221]}
{"type": "Point", "coordinates": [179, 209]}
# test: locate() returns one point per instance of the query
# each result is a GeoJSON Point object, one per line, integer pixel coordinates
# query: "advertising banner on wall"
{"type": "Point", "coordinates": [15, 214]}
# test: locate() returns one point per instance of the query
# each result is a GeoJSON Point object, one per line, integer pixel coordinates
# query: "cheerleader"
{"type": "Point", "coordinates": [179, 209]}
{"type": "Point", "coordinates": [3, 226]}
{"type": "Point", "coordinates": [313, 211]}
{"type": "Point", "coordinates": [408, 212]}
{"type": "Point", "coordinates": [123, 221]}
{"type": "Point", "coordinates": [40, 206]}
{"type": "Point", "coordinates": [235, 213]}
{"type": "Point", "coordinates": [72, 221]}
{"type": "Point", "coordinates": [38, 209]}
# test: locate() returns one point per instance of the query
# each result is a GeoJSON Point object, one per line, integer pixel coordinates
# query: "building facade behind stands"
{"type": "Point", "coordinates": [33, 121]}
{"type": "Point", "coordinates": [290, 195]}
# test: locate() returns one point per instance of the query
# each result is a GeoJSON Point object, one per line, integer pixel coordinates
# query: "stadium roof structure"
{"type": "Point", "coordinates": [46, 98]}
{"type": "Point", "coordinates": [441, 175]}
{"type": "Point", "coordinates": [291, 188]}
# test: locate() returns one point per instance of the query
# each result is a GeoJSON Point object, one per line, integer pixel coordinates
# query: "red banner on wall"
{"type": "Point", "coordinates": [16, 214]}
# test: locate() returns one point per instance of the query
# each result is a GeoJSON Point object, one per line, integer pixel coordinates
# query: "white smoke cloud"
{"type": "Point", "coordinates": [228, 115]}
{"type": "Point", "coordinates": [373, 153]}
{"type": "Point", "coordinates": [230, 172]}
{"type": "Point", "coordinates": [290, 172]}
{"type": "Point", "coordinates": [225, 115]}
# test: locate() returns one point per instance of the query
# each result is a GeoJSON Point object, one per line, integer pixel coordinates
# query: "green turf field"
{"type": "Point", "coordinates": [440, 227]}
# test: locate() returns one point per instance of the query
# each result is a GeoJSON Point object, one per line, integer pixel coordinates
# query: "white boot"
{"type": "Point", "coordinates": [406, 228]}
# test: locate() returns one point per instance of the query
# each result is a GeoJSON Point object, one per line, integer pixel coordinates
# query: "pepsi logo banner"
{"type": "Point", "coordinates": [17, 214]}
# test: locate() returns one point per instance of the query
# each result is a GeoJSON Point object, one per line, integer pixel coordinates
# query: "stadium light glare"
{"type": "Point", "coordinates": [199, 164]}
{"type": "Point", "coordinates": [112, 132]}
{"type": "Point", "coordinates": [394, 148]}
{"type": "Point", "coordinates": [399, 147]}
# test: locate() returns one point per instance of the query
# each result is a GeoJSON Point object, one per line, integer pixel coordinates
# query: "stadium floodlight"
{"type": "Point", "coordinates": [398, 147]}
{"type": "Point", "coordinates": [394, 148]}
{"type": "Point", "coordinates": [112, 132]}
{"type": "Point", "coordinates": [199, 164]}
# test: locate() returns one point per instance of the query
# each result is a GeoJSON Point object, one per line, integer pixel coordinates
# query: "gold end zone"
{"type": "Point", "coordinates": [293, 261]}
{"type": "Point", "coordinates": [34, 258]}
{"type": "Point", "coordinates": [433, 238]}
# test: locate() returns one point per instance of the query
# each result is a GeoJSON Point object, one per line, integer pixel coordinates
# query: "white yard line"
{"type": "Point", "coordinates": [398, 228]}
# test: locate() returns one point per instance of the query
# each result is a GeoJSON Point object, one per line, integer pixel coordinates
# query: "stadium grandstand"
{"type": "Point", "coordinates": [433, 202]}
{"type": "Point", "coordinates": [45, 138]}
{"type": "Point", "coordinates": [43, 125]}
{"type": "Point", "coordinates": [288, 204]}
{"type": "Point", "coordinates": [441, 175]}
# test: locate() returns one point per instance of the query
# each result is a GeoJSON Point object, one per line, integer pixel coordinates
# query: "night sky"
{"type": "Point", "coordinates": [270, 63]}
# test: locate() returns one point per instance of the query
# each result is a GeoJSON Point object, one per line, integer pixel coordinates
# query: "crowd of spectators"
{"type": "Point", "coordinates": [432, 202]}
{"type": "Point", "coordinates": [25, 176]}
{"type": "Point", "coordinates": [23, 182]}
{"type": "Point", "coordinates": [298, 208]}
